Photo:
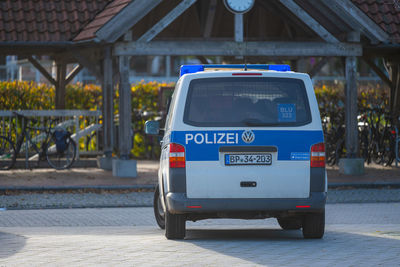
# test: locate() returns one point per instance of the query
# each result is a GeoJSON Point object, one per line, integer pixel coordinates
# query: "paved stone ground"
{"type": "Point", "coordinates": [76, 200]}
{"type": "Point", "coordinates": [140, 199]}
{"type": "Point", "coordinates": [356, 235]}
{"type": "Point", "coordinates": [147, 175]}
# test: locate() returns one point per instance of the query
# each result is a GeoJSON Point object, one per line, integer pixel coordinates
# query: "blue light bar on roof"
{"type": "Point", "coordinates": [185, 69]}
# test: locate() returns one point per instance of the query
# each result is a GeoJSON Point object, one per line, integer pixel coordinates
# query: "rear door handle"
{"type": "Point", "coordinates": [248, 184]}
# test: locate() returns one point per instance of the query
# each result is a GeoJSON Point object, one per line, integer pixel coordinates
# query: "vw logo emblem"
{"type": "Point", "coordinates": [248, 137]}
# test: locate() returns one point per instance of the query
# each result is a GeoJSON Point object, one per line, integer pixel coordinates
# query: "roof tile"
{"type": "Point", "coordinates": [384, 13]}
{"type": "Point", "coordinates": [77, 20]}
{"type": "Point", "coordinates": [46, 21]}
{"type": "Point", "coordinates": [102, 18]}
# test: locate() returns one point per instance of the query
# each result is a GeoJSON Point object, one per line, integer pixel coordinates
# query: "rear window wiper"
{"type": "Point", "coordinates": [256, 122]}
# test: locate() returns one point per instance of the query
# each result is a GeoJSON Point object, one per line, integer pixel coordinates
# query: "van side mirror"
{"type": "Point", "coordinates": [152, 127]}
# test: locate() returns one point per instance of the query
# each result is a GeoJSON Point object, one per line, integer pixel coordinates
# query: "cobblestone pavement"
{"type": "Point", "coordinates": [356, 235]}
{"type": "Point", "coordinates": [142, 199]}
{"type": "Point", "coordinates": [76, 200]}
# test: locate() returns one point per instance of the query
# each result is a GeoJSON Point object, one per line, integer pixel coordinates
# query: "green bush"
{"type": "Point", "coordinates": [331, 99]}
{"type": "Point", "coordinates": [25, 95]}
{"type": "Point", "coordinates": [86, 97]}
{"type": "Point", "coordinates": [22, 95]}
{"type": "Point", "coordinates": [144, 98]}
{"type": "Point", "coordinates": [17, 95]}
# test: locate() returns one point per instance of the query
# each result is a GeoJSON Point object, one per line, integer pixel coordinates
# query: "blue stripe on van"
{"type": "Point", "coordinates": [204, 145]}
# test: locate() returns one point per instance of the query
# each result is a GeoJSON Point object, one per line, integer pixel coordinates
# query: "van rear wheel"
{"type": "Point", "coordinates": [159, 213]}
{"type": "Point", "coordinates": [175, 225]}
{"type": "Point", "coordinates": [314, 225]}
{"type": "Point", "coordinates": [290, 223]}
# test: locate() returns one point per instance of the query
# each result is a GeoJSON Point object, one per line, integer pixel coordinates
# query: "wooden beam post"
{"type": "Point", "coordinates": [73, 73]}
{"type": "Point", "coordinates": [125, 19]}
{"type": "Point", "coordinates": [357, 19]}
{"type": "Point", "coordinates": [41, 69]}
{"type": "Point", "coordinates": [108, 103]}
{"type": "Point", "coordinates": [351, 108]}
{"type": "Point", "coordinates": [60, 85]}
{"type": "Point", "coordinates": [378, 71]}
{"type": "Point", "coordinates": [309, 21]}
{"type": "Point", "coordinates": [125, 110]}
{"type": "Point", "coordinates": [394, 75]}
{"type": "Point", "coordinates": [239, 28]}
{"type": "Point", "coordinates": [212, 8]}
{"type": "Point", "coordinates": [220, 48]}
{"type": "Point", "coordinates": [165, 21]}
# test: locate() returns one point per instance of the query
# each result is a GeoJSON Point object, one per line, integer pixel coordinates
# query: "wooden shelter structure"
{"type": "Point", "coordinates": [102, 35]}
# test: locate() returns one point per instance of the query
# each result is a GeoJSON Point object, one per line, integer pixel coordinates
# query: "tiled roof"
{"type": "Point", "coordinates": [78, 20]}
{"type": "Point", "coordinates": [102, 18]}
{"type": "Point", "coordinates": [385, 13]}
{"type": "Point", "coordinates": [46, 21]}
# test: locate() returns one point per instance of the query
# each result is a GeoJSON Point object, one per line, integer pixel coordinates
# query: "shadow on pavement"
{"type": "Point", "coordinates": [10, 244]}
{"type": "Point", "coordinates": [243, 234]}
{"type": "Point", "coordinates": [271, 246]}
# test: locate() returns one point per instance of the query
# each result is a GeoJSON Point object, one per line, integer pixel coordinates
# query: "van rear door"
{"type": "Point", "coordinates": [249, 137]}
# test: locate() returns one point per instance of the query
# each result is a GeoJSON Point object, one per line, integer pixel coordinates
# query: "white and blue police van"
{"type": "Point", "coordinates": [241, 141]}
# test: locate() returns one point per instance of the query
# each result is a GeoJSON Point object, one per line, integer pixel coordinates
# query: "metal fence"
{"type": "Point", "coordinates": [85, 126]}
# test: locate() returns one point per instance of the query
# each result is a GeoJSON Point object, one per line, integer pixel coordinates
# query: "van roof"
{"type": "Point", "coordinates": [186, 69]}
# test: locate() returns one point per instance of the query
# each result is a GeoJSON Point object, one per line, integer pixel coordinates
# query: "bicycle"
{"type": "Point", "coordinates": [392, 140]}
{"type": "Point", "coordinates": [376, 135]}
{"type": "Point", "coordinates": [364, 133]}
{"type": "Point", "coordinates": [335, 139]}
{"type": "Point", "coordinates": [58, 148]}
{"type": "Point", "coordinates": [397, 146]}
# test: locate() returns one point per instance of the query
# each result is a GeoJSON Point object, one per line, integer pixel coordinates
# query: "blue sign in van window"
{"type": "Point", "coordinates": [286, 112]}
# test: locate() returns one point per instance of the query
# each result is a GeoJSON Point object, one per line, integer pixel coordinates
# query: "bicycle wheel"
{"type": "Point", "coordinates": [397, 148]}
{"type": "Point", "coordinates": [7, 153]}
{"type": "Point", "coordinates": [376, 153]}
{"type": "Point", "coordinates": [61, 159]}
{"type": "Point", "coordinates": [388, 150]}
{"type": "Point", "coordinates": [364, 146]}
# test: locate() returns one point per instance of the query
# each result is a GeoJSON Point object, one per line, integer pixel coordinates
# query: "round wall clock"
{"type": "Point", "coordinates": [239, 6]}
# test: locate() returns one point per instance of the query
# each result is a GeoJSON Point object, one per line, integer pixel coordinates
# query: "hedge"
{"type": "Point", "coordinates": [16, 95]}
{"type": "Point", "coordinates": [21, 95]}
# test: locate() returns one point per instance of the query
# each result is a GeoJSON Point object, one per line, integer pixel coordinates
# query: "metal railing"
{"type": "Point", "coordinates": [84, 125]}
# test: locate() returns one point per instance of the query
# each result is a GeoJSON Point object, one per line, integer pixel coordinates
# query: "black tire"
{"type": "Point", "coordinates": [388, 151]}
{"type": "Point", "coordinates": [364, 145]}
{"type": "Point", "coordinates": [290, 223]}
{"type": "Point", "coordinates": [159, 213]}
{"type": "Point", "coordinates": [175, 225]}
{"type": "Point", "coordinates": [7, 153]}
{"type": "Point", "coordinates": [62, 160]}
{"type": "Point", "coordinates": [314, 225]}
{"type": "Point", "coordinates": [398, 150]}
{"type": "Point", "coordinates": [376, 152]}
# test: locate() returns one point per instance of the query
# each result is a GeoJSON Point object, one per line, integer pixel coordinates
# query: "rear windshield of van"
{"type": "Point", "coordinates": [245, 101]}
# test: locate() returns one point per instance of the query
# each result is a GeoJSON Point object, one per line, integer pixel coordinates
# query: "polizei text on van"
{"type": "Point", "coordinates": [212, 138]}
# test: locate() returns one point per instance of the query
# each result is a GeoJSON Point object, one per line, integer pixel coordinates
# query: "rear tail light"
{"type": "Point", "coordinates": [318, 155]}
{"type": "Point", "coordinates": [176, 156]}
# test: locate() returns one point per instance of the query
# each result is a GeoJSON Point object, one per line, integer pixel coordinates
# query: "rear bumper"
{"type": "Point", "coordinates": [178, 203]}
